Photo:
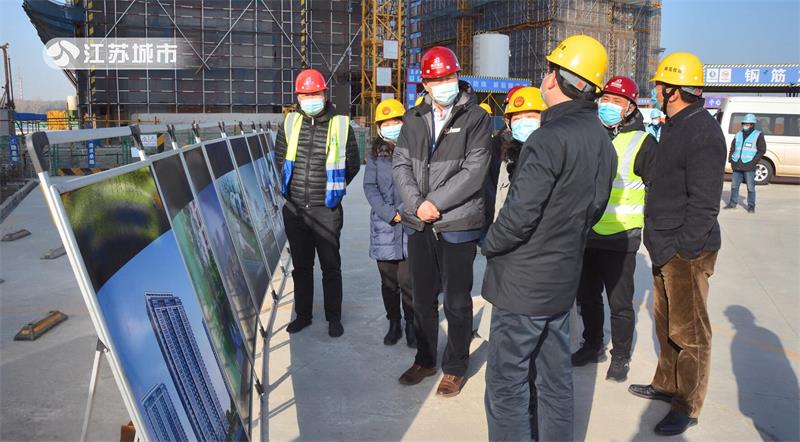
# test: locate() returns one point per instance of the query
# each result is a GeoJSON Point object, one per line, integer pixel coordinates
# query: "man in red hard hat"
{"type": "Point", "coordinates": [440, 165]}
{"type": "Point", "coordinates": [317, 155]}
{"type": "Point", "coordinates": [609, 260]}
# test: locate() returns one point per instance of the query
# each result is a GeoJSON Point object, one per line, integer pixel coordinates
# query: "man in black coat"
{"type": "Point", "coordinates": [682, 234]}
{"type": "Point", "coordinates": [317, 156]}
{"type": "Point", "coordinates": [535, 247]}
{"type": "Point", "coordinates": [440, 165]}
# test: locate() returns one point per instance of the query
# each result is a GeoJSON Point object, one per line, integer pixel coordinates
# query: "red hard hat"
{"type": "Point", "coordinates": [439, 61]}
{"type": "Point", "coordinates": [309, 81]}
{"type": "Point", "coordinates": [622, 86]}
{"type": "Point", "coordinates": [510, 93]}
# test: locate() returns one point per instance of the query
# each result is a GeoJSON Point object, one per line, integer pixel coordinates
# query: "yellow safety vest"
{"type": "Point", "coordinates": [335, 163]}
{"type": "Point", "coordinates": [625, 209]}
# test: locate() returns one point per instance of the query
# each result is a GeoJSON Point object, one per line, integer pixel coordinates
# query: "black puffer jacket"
{"type": "Point", "coordinates": [628, 240]}
{"type": "Point", "coordinates": [559, 190]}
{"type": "Point", "coordinates": [309, 178]}
{"type": "Point", "coordinates": [451, 177]}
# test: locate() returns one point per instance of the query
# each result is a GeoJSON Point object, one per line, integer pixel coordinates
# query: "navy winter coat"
{"type": "Point", "coordinates": [387, 241]}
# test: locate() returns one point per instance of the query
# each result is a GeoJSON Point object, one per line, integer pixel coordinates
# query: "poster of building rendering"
{"type": "Point", "coordinates": [266, 178]}
{"type": "Point", "coordinates": [238, 218]}
{"type": "Point", "coordinates": [221, 323]}
{"type": "Point", "coordinates": [256, 201]}
{"type": "Point", "coordinates": [268, 146]}
{"type": "Point", "coordinates": [154, 322]}
{"type": "Point", "coordinates": [222, 244]}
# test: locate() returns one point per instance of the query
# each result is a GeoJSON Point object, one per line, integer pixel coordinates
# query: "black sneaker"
{"type": "Point", "coordinates": [751, 209]}
{"type": "Point", "coordinates": [588, 354]}
{"type": "Point", "coordinates": [335, 329]}
{"type": "Point", "coordinates": [729, 206]}
{"type": "Point", "coordinates": [618, 370]}
{"type": "Point", "coordinates": [297, 325]}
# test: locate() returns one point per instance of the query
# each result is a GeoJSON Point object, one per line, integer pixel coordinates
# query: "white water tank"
{"type": "Point", "coordinates": [490, 55]}
{"type": "Point", "coordinates": [72, 103]}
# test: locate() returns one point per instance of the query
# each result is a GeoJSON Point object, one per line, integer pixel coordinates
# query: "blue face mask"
{"type": "Point", "coordinates": [610, 114]}
{"type": "Point", "coordinates": [312, 106]}
{"type": "Point", "coordinates": [391, 132]}
{"type": "Point", "coordinates": [523, 128]}
{"type": "Point", "coordinates": [445, 94]}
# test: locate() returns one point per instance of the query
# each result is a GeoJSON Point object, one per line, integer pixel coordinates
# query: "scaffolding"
{"type": "Point", "coordinates": [628, 28]}
{"type": "Point", "coordinates": [246, 53]}
{"type": "Point", "coordinates": [381, 53]}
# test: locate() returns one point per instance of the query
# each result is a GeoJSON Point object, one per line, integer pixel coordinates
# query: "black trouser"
{"type": "Point", "coordinates": [614, 272]}
{"type": "Point", "coordinates": [396, 289]}
{"type": "Point", "coordinates": [437, 265]}
{"type": "Point", "coordinates": [310, 230]}
{"type": "Point", "coordinates": [522, 347]}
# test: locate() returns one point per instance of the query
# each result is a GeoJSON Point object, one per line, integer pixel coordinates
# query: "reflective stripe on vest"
{"type": "Point", "coordinates": [745, 149]}
{"type": "Point", "coordinates": [336, 151]}
{"type": "Point", "coordinates": [625, 209]}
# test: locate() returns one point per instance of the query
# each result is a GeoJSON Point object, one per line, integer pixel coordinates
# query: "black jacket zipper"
{"type": "Point", "coordinates": [308, 160]}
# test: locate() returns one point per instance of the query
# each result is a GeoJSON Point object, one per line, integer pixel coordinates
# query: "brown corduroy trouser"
{"type": "Point", "coordinates": [683, 330]}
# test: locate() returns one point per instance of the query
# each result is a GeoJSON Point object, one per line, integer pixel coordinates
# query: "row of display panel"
{"type": "Point", "coordinates": [175, 256]}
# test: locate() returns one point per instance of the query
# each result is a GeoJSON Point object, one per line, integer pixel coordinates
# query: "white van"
{"type": "Point", "coordinates": [779, 120]}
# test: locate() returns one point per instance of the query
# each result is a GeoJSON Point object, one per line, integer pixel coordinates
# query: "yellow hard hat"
{"type": "Point", "coordinates": [486, 107]}
{"type": "Point", "coordinates": [388, 109]}
{"type": "Point", "coordinates": [583, 56]}
{"type": "Point", "coordinates": [528, 98]}
{"type": "Point", "coordinates": [680, 69]}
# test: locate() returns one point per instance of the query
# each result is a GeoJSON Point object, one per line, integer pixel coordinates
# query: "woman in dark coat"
{"type": "Point", "coordinates": [388, 242]}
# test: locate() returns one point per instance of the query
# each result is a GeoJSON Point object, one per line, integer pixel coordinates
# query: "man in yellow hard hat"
{"type": "Point", "coordinates": [560, 188]}
{"type": "Point", "coordinates": [682, 235]}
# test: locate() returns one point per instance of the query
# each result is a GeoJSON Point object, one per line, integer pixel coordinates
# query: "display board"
{"type": "Point", "coordinates": [222, 326]}
{"type": "Point", "coordinates": [237, 214]}
{"type": "Point", "coordinates": [254, 194]}
{"type": "Point", "coordinates": [265, 164]}
{"type": "Point", "coordinates": [151, 310]}
{"type": "Point", "coordinates": [174, 256]}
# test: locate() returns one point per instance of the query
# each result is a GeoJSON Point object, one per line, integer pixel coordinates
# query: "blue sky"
{"type": "Point", "coordinates": [718, 31]}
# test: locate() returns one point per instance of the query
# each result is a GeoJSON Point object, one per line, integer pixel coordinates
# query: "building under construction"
{"type": "Point", "coordinates": [247, 52]}
{"type": "Point", "coordinates": [629, 30]}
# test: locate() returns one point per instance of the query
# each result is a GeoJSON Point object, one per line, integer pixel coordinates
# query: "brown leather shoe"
{"type": "Point", "coordinates": [416, 374]}
{"type": "Point", "coordinates": [450, 385]}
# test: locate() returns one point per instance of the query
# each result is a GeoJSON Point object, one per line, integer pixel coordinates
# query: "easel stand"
{"type": "Point", "coordinates": [100, 352]}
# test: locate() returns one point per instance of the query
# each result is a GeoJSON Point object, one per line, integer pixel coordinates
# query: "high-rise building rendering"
{"type": "Point", "coordinates": [185, 363]}
{"type": "Point", "coordinates": [160, 412]}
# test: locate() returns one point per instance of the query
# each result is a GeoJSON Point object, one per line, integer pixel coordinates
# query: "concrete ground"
{"type": "Point", "coordinates": [346, 389]}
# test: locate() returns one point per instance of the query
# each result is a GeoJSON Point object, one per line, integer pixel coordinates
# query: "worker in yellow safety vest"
{"type": "Point", "coordinates": [317, 156]}
{"type": "Point", "coordinates": [609, 260]}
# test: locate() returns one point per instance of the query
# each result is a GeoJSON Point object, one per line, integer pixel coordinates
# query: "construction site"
{"type": "Point", "coordinates": [148, 286]}
{"type": "Point", "coordinates": [246, 54]}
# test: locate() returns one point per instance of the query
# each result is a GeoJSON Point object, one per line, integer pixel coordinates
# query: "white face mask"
{"type": "Point", "coordinates": [522, 128]}
{"type": "Point", "coordinates": [312, 106]}
{"type": "Point", "coordinates": [392, 132]}
{"type": "Point", "coordinates": [445, 93]}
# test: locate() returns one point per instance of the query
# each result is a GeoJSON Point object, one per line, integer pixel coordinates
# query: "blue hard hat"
{"type": "Point", "coordinates": [655, 113]}
{"type": "Point", "coordinates": [749, 119]}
